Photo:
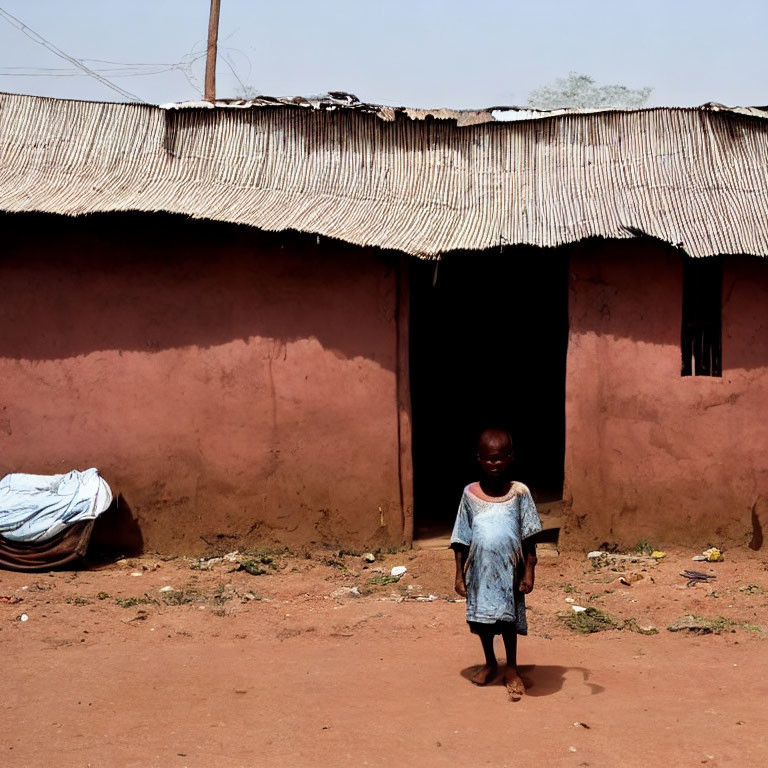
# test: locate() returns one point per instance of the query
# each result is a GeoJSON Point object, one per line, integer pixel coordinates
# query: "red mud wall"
{"type": "Point", "coordinates": [650, 454]}
{"type": "Point", "coordinates": [234, 387]}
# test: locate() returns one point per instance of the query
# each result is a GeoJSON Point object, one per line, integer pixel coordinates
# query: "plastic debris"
{"type": "Point", "coordinates": [713, 555]}
{"type": "Point", "coordinates": [167, 588]}
{"type": "Point", "coordinates": [699, 558]}
{"type": "Point", "coordinates": [697, 577]}
{"type": "Point", "coordinates": [137, 573]}
{"type": "Point", "coordinates": [597, 553]}
{"type": "Point", "coordinates": [398, 570]}
{"type": "Point", "coordinates": [569, 600]}
{"type": "Point", "coordinates": [23, 617]}
{"type": "Point", "coordinates": [369, 557]}
{"type": "Point", "coordinates": [656, 555]}
{"type": "Point", "coordinates": [578, 608]}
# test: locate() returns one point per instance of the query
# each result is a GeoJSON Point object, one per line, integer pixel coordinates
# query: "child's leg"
{"type": "Point", "coordinates": [487, 672]}
{"type": "Point", "coordinates": [515, 687]}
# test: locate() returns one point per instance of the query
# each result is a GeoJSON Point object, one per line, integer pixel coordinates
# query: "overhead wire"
{"type": "Point", "coordinates": [40, 40]}
{"type": "Point", "coordinates": [115, 69]}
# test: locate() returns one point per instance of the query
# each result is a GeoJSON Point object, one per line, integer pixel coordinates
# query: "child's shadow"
{"type": "Point", "coordinates": [540, 680]}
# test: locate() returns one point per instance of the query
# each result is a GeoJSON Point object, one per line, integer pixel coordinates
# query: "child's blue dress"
{"type": "Point", "coordinates": [494, 532]}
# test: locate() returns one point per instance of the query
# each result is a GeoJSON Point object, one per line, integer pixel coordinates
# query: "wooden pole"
{"type": "Point", "coordinates": [213, 42]}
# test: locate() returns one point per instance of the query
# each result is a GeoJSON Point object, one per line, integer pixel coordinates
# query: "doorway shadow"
{"type": "Point", "coordinates": [540, 679]}
{"type": "Point", "coordinates": [116, 534]}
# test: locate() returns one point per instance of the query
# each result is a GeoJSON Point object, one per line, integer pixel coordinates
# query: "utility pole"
{"type": "Point", "coordinates": [213, 42]}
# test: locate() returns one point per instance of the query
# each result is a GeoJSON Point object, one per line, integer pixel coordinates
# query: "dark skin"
{"type": "Point", "coordinates": [495, 456]}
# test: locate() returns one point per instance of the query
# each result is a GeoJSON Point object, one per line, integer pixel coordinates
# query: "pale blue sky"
{"type": "Point", "coordinates": [423, 53]}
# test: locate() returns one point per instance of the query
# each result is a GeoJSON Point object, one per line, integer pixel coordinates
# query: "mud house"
{"type": "Point", "coordinates": [285, 320]}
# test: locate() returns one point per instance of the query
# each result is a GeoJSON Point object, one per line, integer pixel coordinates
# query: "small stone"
{"type": "Point", "coordinates": [692, 624]}
{"type": "Point", "coordinates": [23, 617]}
{"type": "Point", "coordinates": [597, 553]}
{"type": "Point", "coordinates": [398, 570]}
{"type": "Point", "coordinates": [166, 588]}
{"type": "Point", "coordinates": [698, 558]}
{"type": "Point", "coordinates": [346, 592]}
{"type": "Point", "coordinates": [369, 557]}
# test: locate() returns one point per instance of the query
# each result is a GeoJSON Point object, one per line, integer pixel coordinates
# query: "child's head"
{"type": "Point", "coordinates": [495, 453]}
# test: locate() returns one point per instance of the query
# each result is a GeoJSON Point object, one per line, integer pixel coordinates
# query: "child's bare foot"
{"type": "Point", "coordinates": [485, 674]}
{"type": "Point", "coordinates": [515, 687]}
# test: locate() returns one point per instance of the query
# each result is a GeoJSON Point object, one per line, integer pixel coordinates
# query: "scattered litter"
{"type": "Point", "coordinates": [141, 615]}
{"type": "Point", "coordinates": [346, 592]}
{"type": "Point", "coordinates": [569, 600]}
{"type": "Point", "coordinates": [750, 589]}
{"type": "Point", "coordinates": [427, 599]}
{"type": "Point", "coordinates": [369, 557]}
{"type": "Point", "coordinates": [167, 588]}
{"type": "Point", "coordinates": [581, 725]}
{"type": "Point", "coordinates": [231, 557]}
{"type": "Point", "coordinates": [597, 553]}
{"type": "Point", "coordinates": [656, 555]}
{"type": "Point", "coordinates": [578, 608]}
{"type": "Point", "coordinates": [398, 571]}
{"type": "Point", "coordinates": [136, 573]}
{"type": "Point", "coordinates": [713, 555]}
{"type": "Point", "coordinates": [699, 558]}
{"type": "Point", "coordinates": [23, 617]}
{"type": "Point", "coordinates": [697, 577]}
{"type": "Point", "coordinates": [571, 749]}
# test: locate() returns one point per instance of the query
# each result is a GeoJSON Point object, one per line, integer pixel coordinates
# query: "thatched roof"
{"type": "Point", "coordinates": [422, 182]}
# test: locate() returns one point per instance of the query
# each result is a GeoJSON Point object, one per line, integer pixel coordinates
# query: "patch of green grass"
{"type": "Point", "coordinates": [379, 551]}
{"type": "Point", "coordinates": [384, 580]}
{"type": "Point", "coordinates": [332, 562]}
{"type": "Point", "coordinates": [130, 602]}
{"type": "Point", "coordinates": [77, 601]}
{"type": "Point", "coordinates": [644, 547]}
{"type": "Point", "coordinates": [252, 566]}
{"type": "Point", "coordinates": [594, 620]}
{"type": "Point", "coordinates": [182, 597]}
{"type": "Point", "coordinates": [591, 620]}
{"type": "Point", "coordinates": [704, 625]}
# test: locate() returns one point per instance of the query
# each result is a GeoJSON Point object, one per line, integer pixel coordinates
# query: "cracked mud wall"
{"type": "Point", "coordinates": [234, 387]}
{"type": "Point", "coordinates": [650, 454]}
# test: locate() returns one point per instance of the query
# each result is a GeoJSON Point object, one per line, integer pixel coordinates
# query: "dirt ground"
{"type": "Point", "coordinates": [291, 667]}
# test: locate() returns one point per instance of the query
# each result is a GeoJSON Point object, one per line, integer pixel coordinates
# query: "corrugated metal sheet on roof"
{"type": "Point", "coordinates": [696, 178]}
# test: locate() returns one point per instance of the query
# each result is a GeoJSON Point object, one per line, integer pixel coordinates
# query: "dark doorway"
{"type": "Point", "coordinates": [489, 335]}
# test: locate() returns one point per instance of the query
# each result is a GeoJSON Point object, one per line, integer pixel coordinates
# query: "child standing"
{"type": "Point", "coordinates": [495, 556]}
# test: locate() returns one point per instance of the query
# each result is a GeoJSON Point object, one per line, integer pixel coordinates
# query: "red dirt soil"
{"type": "Point", "coordinates": [272, 670]}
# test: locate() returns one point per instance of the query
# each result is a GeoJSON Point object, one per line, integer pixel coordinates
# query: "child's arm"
{"type": "Point", "coordinates": [460, 551]}
{"type": "Point", "coordinates": [529, 564]}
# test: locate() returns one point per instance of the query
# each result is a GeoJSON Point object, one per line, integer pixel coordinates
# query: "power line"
{"type": "Point", "coordinates": [38, 38]}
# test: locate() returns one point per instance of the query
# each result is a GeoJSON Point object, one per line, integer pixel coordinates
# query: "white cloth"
{"type": "Point", "coordinates": [37, 507]}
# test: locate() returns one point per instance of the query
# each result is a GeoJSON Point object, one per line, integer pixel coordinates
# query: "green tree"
{"type": "Point", "coordinates": [582, 92]}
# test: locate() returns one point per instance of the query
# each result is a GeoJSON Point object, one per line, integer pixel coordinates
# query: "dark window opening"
{"type": "Point", "coordinates": [701, 338]}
